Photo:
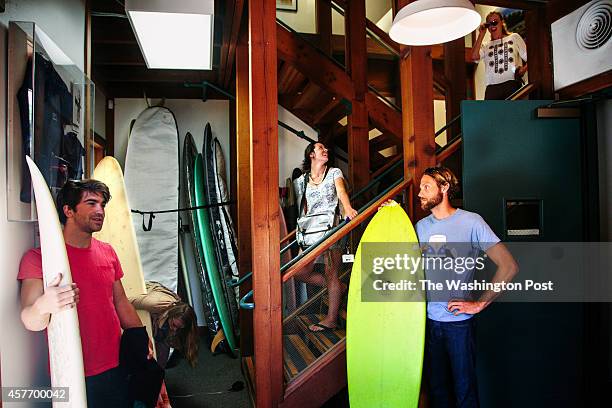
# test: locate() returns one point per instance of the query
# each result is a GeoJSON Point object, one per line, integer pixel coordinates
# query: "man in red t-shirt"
{"type": "Point", "coordinates": [97, 292]}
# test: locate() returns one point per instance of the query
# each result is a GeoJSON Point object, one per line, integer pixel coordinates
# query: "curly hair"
{"type": "Point", "coordinates": [443, 176]}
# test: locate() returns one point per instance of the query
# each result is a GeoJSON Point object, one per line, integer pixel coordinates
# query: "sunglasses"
{"type": "Point", "coordinates": [491, 23]}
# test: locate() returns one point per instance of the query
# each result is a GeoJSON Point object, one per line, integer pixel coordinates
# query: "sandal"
{"type": "Point", "coordinates": [323, 328]}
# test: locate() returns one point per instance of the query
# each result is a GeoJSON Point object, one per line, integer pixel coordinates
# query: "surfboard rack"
{"type": "Point", "coordinates": [243, 301]}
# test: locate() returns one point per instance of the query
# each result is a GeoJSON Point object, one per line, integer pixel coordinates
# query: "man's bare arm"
{"type": "Point", "coordinates": [125, 310]}
{"type": "Point", "coordinates": [37, 305]}
{"type": "Point", "coordinates": [507, 268]}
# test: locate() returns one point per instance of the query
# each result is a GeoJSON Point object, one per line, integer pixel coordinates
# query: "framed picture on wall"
{"type": "Point", "coordinates": [286, 5]}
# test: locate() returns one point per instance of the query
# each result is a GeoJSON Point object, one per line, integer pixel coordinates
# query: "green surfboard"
{"type": "Point", "coordinates": [384, 339]}
{"type": "Point", "coordinates": [208, 249]}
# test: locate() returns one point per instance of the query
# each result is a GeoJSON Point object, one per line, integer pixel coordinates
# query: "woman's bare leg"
{"type": "Point", "coordinates": [334, 291]}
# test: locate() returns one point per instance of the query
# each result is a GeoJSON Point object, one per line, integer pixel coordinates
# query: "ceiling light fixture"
{"type": "Point", "coordinates": [173, 34]}
{"type": "Point", "coordinates": [427, 22]}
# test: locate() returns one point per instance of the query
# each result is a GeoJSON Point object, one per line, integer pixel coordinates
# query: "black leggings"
{"type": "Point", "coordinates": [503, 90]}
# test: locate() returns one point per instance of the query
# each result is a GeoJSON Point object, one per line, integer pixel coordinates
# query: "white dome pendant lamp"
{"type": "Point", "coordinates": [427, 22]}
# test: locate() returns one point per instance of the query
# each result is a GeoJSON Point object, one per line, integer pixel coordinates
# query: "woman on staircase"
{"type": "Point", "coordinates": [318, 192]}
{"type": "Point", "coordinates": [503, 57]}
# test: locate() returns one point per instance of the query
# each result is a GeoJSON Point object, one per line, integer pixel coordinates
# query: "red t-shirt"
{"type": "Point", "coordinates": [94, 270]}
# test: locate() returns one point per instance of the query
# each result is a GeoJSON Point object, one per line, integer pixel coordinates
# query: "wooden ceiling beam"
{"type": "Point", "coordinates": [142, 74]}
{"type": "Point", "coordinates": [231, 28]}
{"type": "Point", "coordinates": [313, 65]}
{"type": "Point", "coordinates": [515, 4]}
{"type": "Point", "coordinates": [111, 54]}
{"type": "Point", "coordinates": [325, 110]}
{"type": "Point", "coordinates": [157, 90]}
{"type": "Point", "coordinates": [311, 95]}
{"type": "Point", "coordinates": [385, 118]}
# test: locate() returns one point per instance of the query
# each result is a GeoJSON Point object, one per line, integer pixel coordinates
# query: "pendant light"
{"type": "Point", "coordinates": [427, 22]}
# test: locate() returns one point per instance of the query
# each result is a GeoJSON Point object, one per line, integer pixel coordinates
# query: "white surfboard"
{"type": "Point", "coordinates": [152, 184]}
{"type": "Point", "coordinates": [118, 231]}
{"type": "Point", "coordinates": [63, 336]}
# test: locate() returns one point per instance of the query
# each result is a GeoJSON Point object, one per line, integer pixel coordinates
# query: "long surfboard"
{"type": "Point", "coordinates": [384, 339]}
{"type": "Point", "coordinates": [223, 196]}
{"type": "Point", "coordinates": [118, 231]}
{"type": "Point", "coordinates": [190, 152]}
{"type": "Point", "coordinates": [152, 184]}
{"type": "Point", "coordinates": [212, 270]}
{"type": "Point", "coordinates": [218, 226]}
{"type": "Point", "coordinates": [63, 336]}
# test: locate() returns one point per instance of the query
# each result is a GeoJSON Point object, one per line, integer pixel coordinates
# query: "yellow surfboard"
{"type": "Point", "coordinates": [118, 231]}
{"type": "Point", "coordinates": [385, 333]}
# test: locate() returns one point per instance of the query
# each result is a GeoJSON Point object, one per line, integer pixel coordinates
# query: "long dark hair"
{"type": "Point", "coordinates": [186, 338]}
{"type": "Point", "coordinates": [306, 162]}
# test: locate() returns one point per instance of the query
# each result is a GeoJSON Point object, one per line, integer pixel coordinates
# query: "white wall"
{"type": "Point", "coordinates": [191, 116]}
{"type": "Point", "coordinates": [23, 354]}
{"type": "Point", "coordinates": [290, 147]}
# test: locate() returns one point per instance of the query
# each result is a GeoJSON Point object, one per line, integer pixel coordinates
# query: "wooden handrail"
{"type": "Point", "coordinates": [524, 91]}
{"type": "Point", "coordinates": [383, 36]}
{"type": "Point", "coordinates": [354, 223]}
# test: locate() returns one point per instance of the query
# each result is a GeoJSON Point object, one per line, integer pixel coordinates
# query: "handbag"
{"type": "Point", "coordinates": [312, 228]}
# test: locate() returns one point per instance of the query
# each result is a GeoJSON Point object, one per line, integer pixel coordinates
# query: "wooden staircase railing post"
{"type": "Point", "coordinates": [357, 65]}
{"type": "Point", "coordinates": [243, 184]}
{"type": "Point", "coordinates": [416, 73]}
{"type": "Point", "coordinates": [263, 108]}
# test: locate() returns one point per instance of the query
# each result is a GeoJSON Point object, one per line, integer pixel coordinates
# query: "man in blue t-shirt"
{"type": "Point", "coordinates": [450, 347]}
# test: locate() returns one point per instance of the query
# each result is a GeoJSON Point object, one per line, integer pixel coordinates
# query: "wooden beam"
{"type": "Point", "coordinates": [438, 52]}
{"type": "Point", "coordinates": [416, 74]}
{"type": "Point", "coordinates": [243, 185]}
{"type": "Point", "coordinates": [455, 75]}
{"type": "Point", "coordinates": [231, 27]}
{"type": "Point", "coordinates": [597, 83]}
{"type": "Point", "coordinates": [143, 74]}
{"type": "Point", "coordinates": [385, 118]}
{"type": "Point", "coordinates": [89, 103]}
{"type": "Point", "coordinates": [320, 381]}
{"type": "Point", "coordinates": [539, 57]}
{"type": "Point", "coordinates": [263, 108]}
{"type": "Point", "coordinates": [312, 64]}
{"type": "Point", "coordinates": [358, 126]}
{"type": "Point", "coordinates": [113, 54]}
{"type": "Point", "coordinates": [382, 35]}
{"type": "Point", "coordinates": [169, 90]}
{"type": "Point", "coordinates": [324, 25]}
{"type": "Point", "coordinates": [515, 4]}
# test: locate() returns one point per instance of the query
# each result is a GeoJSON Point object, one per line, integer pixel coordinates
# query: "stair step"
{"type": "Point", "coordinates": [323, 340]}
{"type": "Point", "coordinates": [298, 354]}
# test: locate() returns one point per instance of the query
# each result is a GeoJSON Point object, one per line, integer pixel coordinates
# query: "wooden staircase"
{"type": "Point", "coordinates": [316, 89]}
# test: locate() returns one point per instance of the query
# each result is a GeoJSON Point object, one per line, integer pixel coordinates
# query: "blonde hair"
{"type": "Point", "coordinates": [502, 21]}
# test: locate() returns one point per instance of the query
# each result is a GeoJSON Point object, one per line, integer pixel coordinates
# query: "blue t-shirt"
{"type": "Point", "coordinates": [461, 227]}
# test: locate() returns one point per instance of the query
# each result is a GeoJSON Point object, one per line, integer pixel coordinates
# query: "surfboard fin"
{"type": "Point", "coordinates": [219, 337]}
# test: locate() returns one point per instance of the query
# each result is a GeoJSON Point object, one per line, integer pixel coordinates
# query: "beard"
{"type": "Point", "coordinates": [431, 203]}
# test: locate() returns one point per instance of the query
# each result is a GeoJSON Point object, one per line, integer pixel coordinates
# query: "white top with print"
{"type": "Point", "coordinates": [503, 57]}
{"type": "Point", "coordinates": [322, 197]}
